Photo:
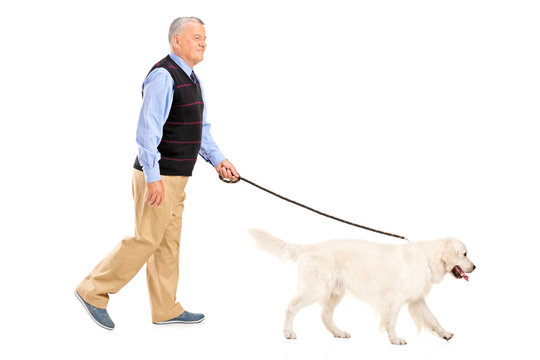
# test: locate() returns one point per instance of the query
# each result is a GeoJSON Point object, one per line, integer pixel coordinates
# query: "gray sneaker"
{"type": "Point", "coordinates": [100, 316]}
{"type": "Point", "coordinates": [185, 318]}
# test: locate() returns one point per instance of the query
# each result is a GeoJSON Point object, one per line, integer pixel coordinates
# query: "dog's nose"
{"type": "Point", "coordinates": [473, 267]}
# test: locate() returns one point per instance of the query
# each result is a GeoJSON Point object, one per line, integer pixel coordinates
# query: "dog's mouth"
{"type": "Point", "coordinates": [459, 273]}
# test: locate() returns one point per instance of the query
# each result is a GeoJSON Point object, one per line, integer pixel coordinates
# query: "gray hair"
{"type": "Point", "coordinates": [178, 24]}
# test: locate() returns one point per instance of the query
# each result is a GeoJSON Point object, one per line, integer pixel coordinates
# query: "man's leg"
{"type": "Point", "coordinates": [127, 258]}
{"type": "Point", "coordinates": [163, 266]}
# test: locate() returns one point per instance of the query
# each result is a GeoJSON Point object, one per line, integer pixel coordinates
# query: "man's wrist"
{"type": "Point", "coordinates": [151, 174]}
{"type": "Point", "coordinates": [217, 159]}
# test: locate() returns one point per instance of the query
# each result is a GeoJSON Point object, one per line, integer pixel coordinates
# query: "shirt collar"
{"type": "Point", "coordinates": [183, 65]}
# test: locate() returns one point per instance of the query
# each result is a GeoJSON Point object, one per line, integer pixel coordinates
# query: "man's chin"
{"type": "Point", "coordinates": [198, 60]}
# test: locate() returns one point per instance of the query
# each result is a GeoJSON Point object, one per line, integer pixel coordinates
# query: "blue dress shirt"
{"type": "Point", "coordinates": [158, 90]}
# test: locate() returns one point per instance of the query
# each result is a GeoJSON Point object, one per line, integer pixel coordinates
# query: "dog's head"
{"type": "Point", "coordinates": [455, 259]}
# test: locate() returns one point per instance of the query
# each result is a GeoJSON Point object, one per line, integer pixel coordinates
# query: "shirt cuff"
{"type": "Point", "coordinates": [216, 158]}
{"type": "Point", "coordinates": [151, 174]}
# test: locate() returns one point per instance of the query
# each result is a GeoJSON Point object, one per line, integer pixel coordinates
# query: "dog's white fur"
{"type": "Point", "coordinates": [385, 276]}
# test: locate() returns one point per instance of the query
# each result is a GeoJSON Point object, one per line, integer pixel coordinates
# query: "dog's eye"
{"type": "Point", "coordinates": [465, 254]}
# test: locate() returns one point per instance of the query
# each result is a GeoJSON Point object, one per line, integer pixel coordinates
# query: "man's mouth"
{"type": "Point", "coordinates": [459, 273]}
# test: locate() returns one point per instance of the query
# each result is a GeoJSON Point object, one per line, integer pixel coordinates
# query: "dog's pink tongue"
{"type": "Point", "coordinates": [462, 273]}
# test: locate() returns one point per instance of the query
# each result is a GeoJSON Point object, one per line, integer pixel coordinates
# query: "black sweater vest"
{"type": "Point", "coordinates": [182, 131]}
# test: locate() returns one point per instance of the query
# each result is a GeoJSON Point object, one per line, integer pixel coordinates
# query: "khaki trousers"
{"type": "Point", "coordinates": [156, 243]}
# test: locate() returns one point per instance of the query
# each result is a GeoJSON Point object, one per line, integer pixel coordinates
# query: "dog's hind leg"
{"type": "Point", "coordinates": [328, 314]}
{"type": "Point", "coordinates": [389, 316]}
{"type": "Point", "coordinates": [422, 316]}
{"type": "Point", "coordinates": [310, 289]}
{"type": "Point", "coordinates": [297, 303]}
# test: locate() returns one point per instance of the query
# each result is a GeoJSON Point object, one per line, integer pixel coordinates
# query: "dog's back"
{"type": "Point", "coordinates": [344, 251]}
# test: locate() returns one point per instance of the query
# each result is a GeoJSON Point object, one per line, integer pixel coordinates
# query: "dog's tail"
{"type": "Point", "coordinates": [284, 251]}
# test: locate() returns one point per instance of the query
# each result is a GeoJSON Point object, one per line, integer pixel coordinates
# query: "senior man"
{"type": "Point", "coordinates": [172, 130]}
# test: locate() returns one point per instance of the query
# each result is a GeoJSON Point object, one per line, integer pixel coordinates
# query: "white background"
{"type": "Point", "coordinates": [415, 117]}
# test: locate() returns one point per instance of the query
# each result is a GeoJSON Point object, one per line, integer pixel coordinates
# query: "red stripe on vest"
{"type": "Point", "coordinates": [190, 104]}
{"type": "Point", "coordinates": [181, 142]}
{"type": "Point", "coordinates": [190, 123]}
{"type": "Point", "coordinates": [166, 158]}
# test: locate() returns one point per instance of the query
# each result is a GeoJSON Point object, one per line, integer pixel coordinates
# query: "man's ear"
{"type": "Point", "coordinates": [449, 256]}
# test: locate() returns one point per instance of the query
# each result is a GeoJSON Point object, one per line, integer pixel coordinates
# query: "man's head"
{"type": "Point", "coordinates": [187, 38]}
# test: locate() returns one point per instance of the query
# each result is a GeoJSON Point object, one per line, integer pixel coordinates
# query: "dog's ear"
{"type": "Point", "coordinates": [449, 256]}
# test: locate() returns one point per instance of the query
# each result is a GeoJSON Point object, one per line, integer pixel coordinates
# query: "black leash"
{"type": "Point", "coordinates": [228, 181]}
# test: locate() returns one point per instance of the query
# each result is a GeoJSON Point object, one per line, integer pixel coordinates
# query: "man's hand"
{"type": "Point", "coordinates": [155, 193]}
{"type": "Point", "coordinates": [227, 170]}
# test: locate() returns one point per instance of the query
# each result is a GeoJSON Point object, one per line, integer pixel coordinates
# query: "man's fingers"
{"type": "Point", "coordinates": [155, 193]}
{"type": "Point", "coordinates": [151, 199]}
{"type": "Point", "coordinates": [224, 172]}
{"type": "Point", "coordinates": [229, 172]}
{"type": "Point", "coordinates": [159, 200]}
{"type": "Point", "coordinates": [235, 173]}
{"type": "Point", "coordinates": [155, 199]}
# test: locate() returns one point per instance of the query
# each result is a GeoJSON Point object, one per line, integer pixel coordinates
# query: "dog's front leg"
{"type": "Point", "coordinates": [388, 322]}
{"type": "Point", "coordinates": [423, 316]}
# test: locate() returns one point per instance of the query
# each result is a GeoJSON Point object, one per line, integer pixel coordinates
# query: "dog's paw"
{"type": "Point", "coordinates": [443, 334]}
{"type": "Point", "coordinates": [342, 335]}
{"type": "Point", "coordinates": [289, 334]}
{"type": "Point", "coordinates": [398, 341]}
{"type": "Point", "coordinates": [447, 336]}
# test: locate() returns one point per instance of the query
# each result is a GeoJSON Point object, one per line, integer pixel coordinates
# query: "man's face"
{"type": "Point", "coordinates": [191, 43]}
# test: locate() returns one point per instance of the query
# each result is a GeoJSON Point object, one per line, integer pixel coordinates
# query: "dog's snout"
{"type": "Point", "coordinates": [473, 267]}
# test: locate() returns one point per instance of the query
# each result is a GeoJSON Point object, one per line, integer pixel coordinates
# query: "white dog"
{"type": "Point", "coordinates": [383, 275]}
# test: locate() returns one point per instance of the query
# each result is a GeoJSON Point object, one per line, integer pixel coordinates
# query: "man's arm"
{"type": "Point", "coordinates": [157, 100]}
{"type": "Point", "coordinates": [210, 151]}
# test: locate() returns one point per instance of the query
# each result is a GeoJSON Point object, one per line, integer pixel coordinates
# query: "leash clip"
{"type": "Point", "coordinates": [228, 181]}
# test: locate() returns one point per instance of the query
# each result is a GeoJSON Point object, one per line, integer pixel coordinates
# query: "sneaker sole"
{"type": "Point", "coordinates": [177, 322]}
{"type": "Point", "coordinates": [88, 312]}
